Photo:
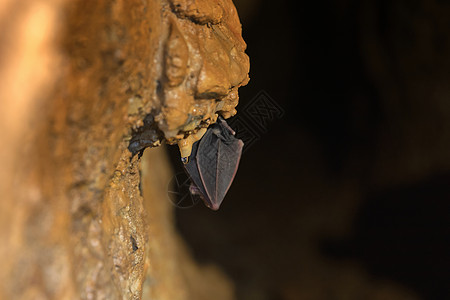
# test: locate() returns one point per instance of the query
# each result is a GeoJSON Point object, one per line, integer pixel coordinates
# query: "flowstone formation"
{"type": "Point", "coordinates": [204, 64]}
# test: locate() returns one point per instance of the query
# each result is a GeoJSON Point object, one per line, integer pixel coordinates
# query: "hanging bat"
{"type": "Point", "coordinates": [213, 163]}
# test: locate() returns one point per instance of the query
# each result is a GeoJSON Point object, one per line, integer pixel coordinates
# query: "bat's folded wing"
{"type": "Point", "coordinates": [192, 169]}
{"type": "Point", "coordinates": [214, 161]}
{"type": "Point", "coordinates": [218, 156]}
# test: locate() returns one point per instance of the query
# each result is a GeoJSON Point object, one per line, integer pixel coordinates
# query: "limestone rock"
{"type": "Point", "coordinates": [76, 79]}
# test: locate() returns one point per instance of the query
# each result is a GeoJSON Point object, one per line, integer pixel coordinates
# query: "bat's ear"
{"type": "Point", "coordinates": [194, 190]}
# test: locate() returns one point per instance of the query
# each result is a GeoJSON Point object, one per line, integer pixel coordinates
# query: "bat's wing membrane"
{"type": "Point", "coordinates": [192, 169]}
{"type": "Point", "coordinates": [230, 154]}
{"type": "Point", "coordinates": [214, 161]}
{"type": "Point", "coordinates": [217, 159]}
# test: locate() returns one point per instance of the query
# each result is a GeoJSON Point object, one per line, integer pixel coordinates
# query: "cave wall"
{"type": "Point", "coordinates": [76, 79]}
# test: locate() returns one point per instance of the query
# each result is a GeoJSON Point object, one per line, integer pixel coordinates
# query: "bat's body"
{"type": "Point", "coordinates": [213, 163]}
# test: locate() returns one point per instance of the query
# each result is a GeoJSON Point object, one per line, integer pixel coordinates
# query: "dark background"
{"type": "Point", "coordinates": [346, 195]}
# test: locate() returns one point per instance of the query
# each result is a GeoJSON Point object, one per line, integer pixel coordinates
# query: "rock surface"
{"type": "Point", "coordinates": [76, 79]}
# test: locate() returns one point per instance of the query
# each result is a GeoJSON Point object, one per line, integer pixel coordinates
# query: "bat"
{"type": "Point", "coordinates": [213, 163]}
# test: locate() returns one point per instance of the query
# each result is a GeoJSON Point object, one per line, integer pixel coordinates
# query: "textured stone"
{"type": "Point", "coordinates": [205, 64]}
{"type": "Point", "coordinates": [76, 78]}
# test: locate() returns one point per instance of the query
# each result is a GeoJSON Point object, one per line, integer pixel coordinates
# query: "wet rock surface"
{"type": "Point", "coordinates": [78, 79]}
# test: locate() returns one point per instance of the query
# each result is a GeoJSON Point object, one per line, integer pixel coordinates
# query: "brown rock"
{"type": "Point", "coordinates": [199, 11]}
{"type": "Point", "coordinates": [211, 67]}
{"type": "Point", "coordinates": [176, 57]}
{"type": "Point", "coordinates": [76, 78]}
